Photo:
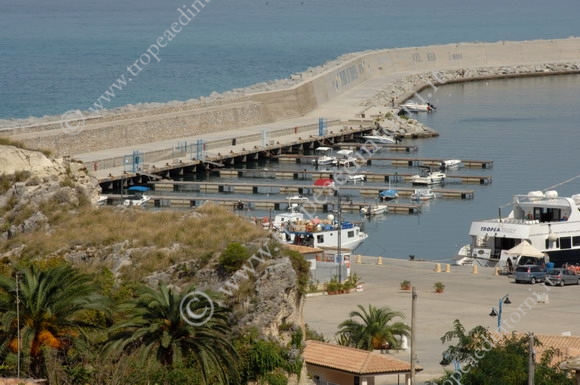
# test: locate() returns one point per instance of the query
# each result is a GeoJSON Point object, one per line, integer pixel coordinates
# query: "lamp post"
{"type": "Point", "coordinates": [338, 248]}
{"type": "Point", "coordinates": [505, 299]}
{"type": "Point", "coordinates": [18, 324]}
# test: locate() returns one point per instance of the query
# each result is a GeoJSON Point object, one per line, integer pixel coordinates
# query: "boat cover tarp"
{"type": "Point", "coordinates": [139, 188]}
{"type": "Point", "coordinates": [324, 182]}
{"type": "Point", "coordinates": [525, 249]}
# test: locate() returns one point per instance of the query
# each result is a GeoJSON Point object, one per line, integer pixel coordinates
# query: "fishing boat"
{"type": "Point", "coordinates": [423, 194]}
{"type": "Point", "coordinates": [137, 196]}
{"type": "Point", "coordinates": [389, 194]}
{"type": "Point", "coordinates": [374, 209]}
{"type": "Point", "coordinates": [548, 222]}
{"type": "Point", "coordinates": [295, 228]}
{"type": "Point", "coordinates": [427, 176]}
{"type": "Point", "coordinates": [324, 157]}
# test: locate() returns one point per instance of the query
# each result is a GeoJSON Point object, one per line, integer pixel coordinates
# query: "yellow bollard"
{"type": "Point", "coordinates": [474, 269]}
{"type": "Point", "coordinates": [358, 258]}
{"type": "Point", "coordinates": [448, 268]}
{"type": "Point", "coordinates": [438, 268]}
{"type": "Point", "coordinates": [379, 260]}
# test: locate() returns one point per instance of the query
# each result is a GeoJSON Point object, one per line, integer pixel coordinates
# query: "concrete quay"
{"type": "Point", "coordinates": [468, 297]}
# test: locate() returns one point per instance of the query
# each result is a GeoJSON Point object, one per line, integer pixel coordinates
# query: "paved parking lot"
{"type": "Point", "coordinates": [468, 297]}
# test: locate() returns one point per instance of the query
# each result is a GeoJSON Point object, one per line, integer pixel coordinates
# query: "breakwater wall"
{"type": "Point", "coordinates": [420, 66]}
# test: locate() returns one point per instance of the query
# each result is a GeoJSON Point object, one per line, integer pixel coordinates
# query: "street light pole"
{"type": "Point", "coordinates": [413, 353]}
{"type": "Point", "coordinates": [531, 359]}
{"type": "Point", "coordinates": [339, 251]}
{"type": "Point", "coordinates": [18, 325]}
{"type": "Point", "coordinates": [501, 301]}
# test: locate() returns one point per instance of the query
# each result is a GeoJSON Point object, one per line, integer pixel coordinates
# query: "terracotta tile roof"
{"type": "Point", "coordinates": [353, 360]}
{"type": "Point", "coordinates": [569, 346]}
{"type": "Point", "coordinates": [304, 249]}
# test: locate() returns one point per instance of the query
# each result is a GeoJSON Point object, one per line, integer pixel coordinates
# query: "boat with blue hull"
{"type": "Point", "coordinates": [548, 222]}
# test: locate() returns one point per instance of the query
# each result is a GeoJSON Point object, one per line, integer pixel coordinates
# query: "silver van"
{"type": "Point", "coordinates": [530, 273]}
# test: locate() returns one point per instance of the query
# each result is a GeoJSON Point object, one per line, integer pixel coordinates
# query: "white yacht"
{"type": "Point", "coordinates": [548, 222]}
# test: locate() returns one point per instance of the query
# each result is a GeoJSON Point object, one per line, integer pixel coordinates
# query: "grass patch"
{"type": "Point", "coordinates": [199, 236]}
{"type": "Point", "coordinates": [4, 141]}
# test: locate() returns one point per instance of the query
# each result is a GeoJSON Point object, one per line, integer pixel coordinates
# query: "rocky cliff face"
{"type": "Point", "coordinates": [263, 295]}
{"type": "Point", "coordinates": [31, 181]}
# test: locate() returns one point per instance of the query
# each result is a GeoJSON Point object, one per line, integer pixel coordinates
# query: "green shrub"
{"type": "Point", "coordinates": [234, 257]}
{"type": "Point", "coordinates": [276, 378]}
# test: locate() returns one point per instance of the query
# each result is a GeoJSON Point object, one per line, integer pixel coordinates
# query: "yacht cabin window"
{"type": "Point", "coordinates": [565, 243]}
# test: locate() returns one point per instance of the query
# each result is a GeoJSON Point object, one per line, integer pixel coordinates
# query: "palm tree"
{"type": "Point", "coordinates": [156, 326]}
{"type": "Point", "coordinates": [52, 312]}
{"type": "Point", "coordinates": [374, 330]}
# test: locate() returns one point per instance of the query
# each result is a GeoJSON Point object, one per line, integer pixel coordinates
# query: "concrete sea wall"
{"type": "Point", "coordinates": [310, 90]}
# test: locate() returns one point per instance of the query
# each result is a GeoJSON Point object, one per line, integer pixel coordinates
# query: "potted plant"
{"type": "Point", "coordinates": [439, 287]}
{"type": "Point", "coordinates": [333, 286]}
{"type": "Point", "coordinates": [356, 281]}
{"type": "Point", "coordinates": [406, 285]}
{"type": "Point", "coordinates": [348, 285]}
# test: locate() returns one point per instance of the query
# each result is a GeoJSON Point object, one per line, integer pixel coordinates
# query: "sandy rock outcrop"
{"type": "Point", "coordinates": [30, 181]}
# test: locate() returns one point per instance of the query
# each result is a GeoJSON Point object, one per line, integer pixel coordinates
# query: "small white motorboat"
{"type": "Point", "coordinates": [346, 158]}
{"type": "Point", "coordinates": [138, 197]}
{"type": "Point", "coordinates": [449, 164]}
{"type": "Point", "coordinates": [418, 107]}
{"type": "Point", "coordinates": [428, 176]}
{"type": "Point", "coordinates": [324, 157]}
{"type": "Point", "coordinates": [374, 209]}
{"type": "Point", "coordinates": [297, 199]}
{"type": "Point", "coordinates": [102, 200]}
{"type": "Point", "coordinates": [423, 194]}
{"type": "Point", "coordinates": [356, 178]}
{"type": "Point", "coordinates": [379, 139]}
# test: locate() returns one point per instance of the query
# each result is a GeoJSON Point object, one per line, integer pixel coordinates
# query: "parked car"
{"type": "Point", "coordinates": [530, 273]}
{"type": "Point", "coordinates": [562, 277]}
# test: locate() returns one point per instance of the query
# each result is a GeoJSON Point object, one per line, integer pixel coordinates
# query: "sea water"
{"type": "Point", "coordinates": [59, 55]}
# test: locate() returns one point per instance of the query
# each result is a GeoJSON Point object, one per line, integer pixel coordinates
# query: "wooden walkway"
{"type": "Point", "coordinates": [331, 173]}
{"type": "Point", "coordinates": [411, 162]}
{"type": "Point", "coordinates": [255, 203]}
{"type": "Point", "coordinates": [303, 189]}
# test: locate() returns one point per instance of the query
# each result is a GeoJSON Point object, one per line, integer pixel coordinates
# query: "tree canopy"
{"type": "Point", "coordinates": [372, 328]}
{"type": "Point", "coordinates": [482, 358]}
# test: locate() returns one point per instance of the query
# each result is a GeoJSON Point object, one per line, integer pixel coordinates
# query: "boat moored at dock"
{"type": "Point", "coordinates": [295, 228]}
{"type": "Point", "coordinates": [548, 222]}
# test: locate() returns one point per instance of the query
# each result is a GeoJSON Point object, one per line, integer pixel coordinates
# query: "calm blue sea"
{"type": "Point", "coordinates": [61, 55]}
